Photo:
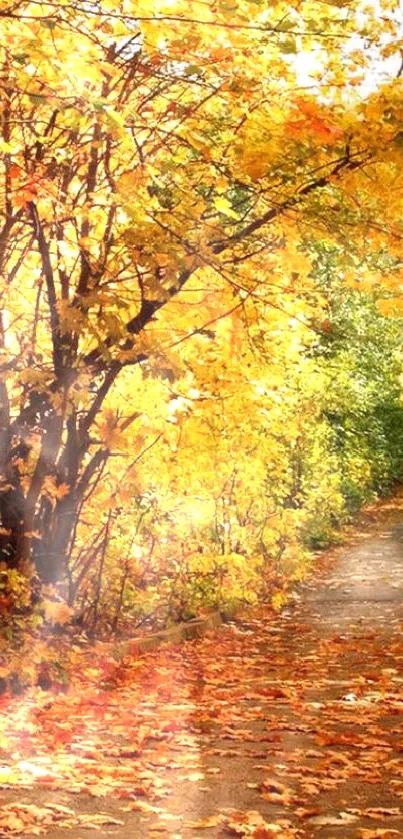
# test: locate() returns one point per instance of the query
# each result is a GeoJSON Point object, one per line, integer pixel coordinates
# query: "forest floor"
{"type": "Point", "coordinates": [273, 726]}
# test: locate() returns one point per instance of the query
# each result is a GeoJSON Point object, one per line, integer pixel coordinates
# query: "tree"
{"type": "Point", "coordinates": [145, 148]}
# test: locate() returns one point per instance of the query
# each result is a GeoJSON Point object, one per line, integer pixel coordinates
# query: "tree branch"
{"type": "Point", "coordinates": [293, 201]}
{"type": "Point", "coordinates": [102, 391]}
{"type": "Point", "coordinates": [50, 287]}
{"type": "Point", "coordinates": [149, 307]}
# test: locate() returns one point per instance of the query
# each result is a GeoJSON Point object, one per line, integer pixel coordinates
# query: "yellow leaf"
{"type": "Point", "coordinates": [223, 206]}
{"type": "Point", "coordinates": [56, 612]}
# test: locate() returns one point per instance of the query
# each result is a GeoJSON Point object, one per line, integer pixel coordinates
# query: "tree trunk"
{"type": "Point", "coordinates": [51, 551]}
{"type": "Point", "coordinates": [11, 526]}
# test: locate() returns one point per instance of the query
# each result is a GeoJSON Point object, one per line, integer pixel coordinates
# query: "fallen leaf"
{"type": "Point", "coordinates": [334, 821]}
{"type": "Point", "coordinates": [202, 824]}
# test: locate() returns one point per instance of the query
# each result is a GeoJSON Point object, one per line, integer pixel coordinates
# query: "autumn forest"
{"type": "Point", "coordinates": [201, 327]}
{"type": "Point", "coordinates": [194, 388]}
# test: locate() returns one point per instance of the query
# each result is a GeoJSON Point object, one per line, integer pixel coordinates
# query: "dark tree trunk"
{"type": "Point", "coordinates": [12, 526]}
{"type": "Point", "coordinates": [12, 502]}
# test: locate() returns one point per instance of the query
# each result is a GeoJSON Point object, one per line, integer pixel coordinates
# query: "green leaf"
{"type": "Point", "coordinates": [36, 98]}
{"type": "Point", "coordinates": [192, 70]}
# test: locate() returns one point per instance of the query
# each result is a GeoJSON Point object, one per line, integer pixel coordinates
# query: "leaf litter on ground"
{"type": "Point", "coordinates": [178, 719]}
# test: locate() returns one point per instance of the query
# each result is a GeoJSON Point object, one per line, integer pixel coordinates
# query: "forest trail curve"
{"type": "Point", "coordinates": [285, 727]}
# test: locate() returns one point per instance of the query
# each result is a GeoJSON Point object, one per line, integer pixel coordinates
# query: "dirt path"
{"type": "Point", "coordinates": [287, 728]}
